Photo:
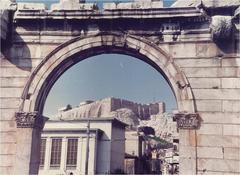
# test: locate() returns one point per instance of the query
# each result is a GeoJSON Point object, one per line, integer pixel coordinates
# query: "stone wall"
{"type": "Point", "coordinates": [215, 81]}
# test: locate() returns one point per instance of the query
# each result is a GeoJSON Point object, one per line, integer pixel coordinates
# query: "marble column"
{"type": "Point", "coordinates": [47, 154]}
{"type": "Point", "coordinates": [29, 126]}
{"type": "Point", "coordinates": [63, 154]}
{"type": "Point", "coordinates": [187, 124]}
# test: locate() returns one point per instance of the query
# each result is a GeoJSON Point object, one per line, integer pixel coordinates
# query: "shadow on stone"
{"type": "Point", "coordinates": [17, 52]}
{"type": "Point", "coordinates": [227, 46]}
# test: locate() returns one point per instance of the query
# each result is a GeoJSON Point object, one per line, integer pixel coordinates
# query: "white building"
{"type": "Point", "coordinates": [64, 146]}
{"type": "Point", "coordinates": [134, 144]}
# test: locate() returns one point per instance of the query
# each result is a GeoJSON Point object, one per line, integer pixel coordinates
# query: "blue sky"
{"type": "Point", "coordinates": [108, 75]}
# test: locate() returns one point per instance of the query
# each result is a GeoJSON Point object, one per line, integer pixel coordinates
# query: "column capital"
{"type": "Point", "coordinates": [187, 120]}
{"type": "Point", "coordinates": [30, 120]}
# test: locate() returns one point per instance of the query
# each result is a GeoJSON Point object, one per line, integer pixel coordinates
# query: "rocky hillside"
{"type": "Point", "coordinates": [163, 125]}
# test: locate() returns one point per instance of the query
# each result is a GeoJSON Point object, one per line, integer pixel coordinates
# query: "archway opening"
{"type": "Point", "coordinates": [78, 49]}
{"type": "Point", "coordinates": [118, 86]}
{"type": "Point", "coordinates": [110, 75]}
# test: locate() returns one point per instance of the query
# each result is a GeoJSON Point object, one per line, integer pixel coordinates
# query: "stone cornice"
{"type": "Point", "coordinates": [110, 14]}
{"type": "Point", "coordinates": [30, 120]}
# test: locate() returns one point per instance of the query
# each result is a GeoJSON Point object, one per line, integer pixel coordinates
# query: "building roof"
{"type": "Point", "coordinates": [111, 119]}
{"type": "Point", "coordinates": [72, 130]}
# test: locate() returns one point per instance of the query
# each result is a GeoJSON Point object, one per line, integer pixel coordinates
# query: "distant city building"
{"type": "Point", "coordinates": [110, 107]}
{"type": "Point", "coordinates": [134, 150]}
{"type": "Point", "coordinates": [112, 149]}
{"type": "Point", "coordinates": [64, 146]}
{"type": "Point", "coordinates": [134, 144]}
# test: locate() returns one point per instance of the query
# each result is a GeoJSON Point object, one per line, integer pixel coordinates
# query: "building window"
{"type": "Point", "coordinates": [72, 147]}
{"type": "Point", "coordinates": [42, 151]}
{"type": "Point", "coordinates": [56, 152]}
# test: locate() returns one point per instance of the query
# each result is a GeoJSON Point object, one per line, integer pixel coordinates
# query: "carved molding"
{"type": "Point", "coordinates": [30, 120]}
{"type": "Point", "coordinates": [187, 120]}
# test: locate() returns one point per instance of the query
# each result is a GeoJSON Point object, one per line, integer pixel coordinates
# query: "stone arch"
{"type": "Point", "coordinates": [80, 48]}
{"type": "Point", "coordinates": [77, 49]}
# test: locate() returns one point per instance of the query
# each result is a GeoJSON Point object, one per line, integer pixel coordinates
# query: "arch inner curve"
{"type": "Point", "coordinates": [80, 48]}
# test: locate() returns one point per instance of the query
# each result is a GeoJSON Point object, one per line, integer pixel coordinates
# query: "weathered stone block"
{"type": "Point", "coordinates": [7, 159]}
{"type": "Point", "coordinates": [187, 151]}
{"type": "Point", "coordinates": [14, 72]}
{"type": "Point", "coordinates": [218, 117]}
{"type": "Point", "coordinates": [188, 166]}
{"type": "Point", "coordinates": [6, 169]}
{"type": "Point", "coordinates": [231, 62]}
{"type": "Point", "coordinates": [54, 40]}
{"type": "Point", "coordinates": [210, 152]}
{"type": "Point", "coordinates": [215, 140]}
{"type": "Point", "coordinates": [9, 103]}
{"type": "Point", "coordinates": [232, 130]}
{"type": "Point", "coordinates": [186, 105]}
{"type": "Point", "coordinates": [32, 51]}
{"type": "Point", "coordinates": [219, 165]}
{"type": "Point", "coordinates": [210, 129]}
{"type": "Point", "coordinates": [176, 50]}
{"type": "Point", "coordinates": [209, 105]}
{"type": "Point", "coordinates": [187, 137]}
{"type": "Point", "coordinates": [230, 82]}
{"type": "Point", "coordinates": [11, 92]}
{"type": "Point", "coordinates": [7, 125]}
{"type": "Point", "coordinates": [201, 72]}
{"type": "Point", "coordinates": [228, 94]}
{"type": "Point", "coordinates": [26, 39]}
{"type": "Point", "coordinates": [45, 49]}
{"type": "Point", "coordinates": [231, 106]}
{"type": "Point", "coordinates": [13, 82]}
{"type": "Point", "coordinates": [5, 62]}
{"type": "Point", "coordinates": [8, 114]}
{"type": "Point", "coordinates": [8, 137]}
{"type": "Point", "coordinates": [232, 153]}
{"type": "Point", "coordinates": [205, 82]}
{"type": "Point", "coordinates": [229, 72]}
{"type": "Point", "coordinates": [206, 50]}
{"type": "Point", "coordinates": [212, 72]}
{"type": "Point", "coordinates": [7, 148]}
{"type": "Point", "coordinates": [23, 63]}
{"type": "Point", "coordinates": [198, 62]}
